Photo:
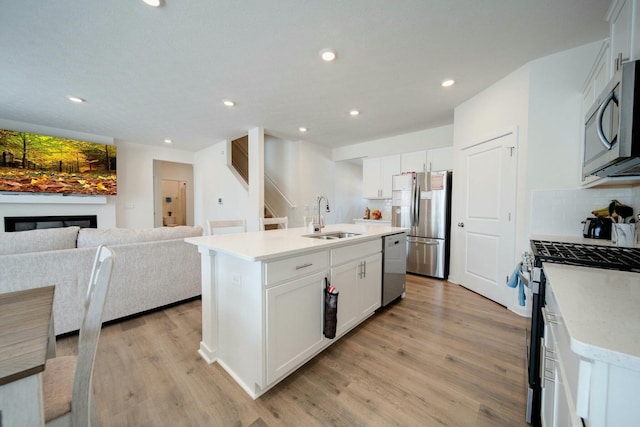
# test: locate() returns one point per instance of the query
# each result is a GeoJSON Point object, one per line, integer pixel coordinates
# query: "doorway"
{"type": "Point", "coordinates": [172, 193]}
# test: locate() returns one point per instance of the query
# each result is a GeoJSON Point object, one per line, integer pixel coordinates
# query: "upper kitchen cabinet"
{"type": "Point", "coordinates": [428, 160]}
{"type": "Point", "coordinates": [376, 176]}
{"type": "Point", "coordinates": [598, 77]}
{"type": "Point", "coordinates": [440, 159]}
{"type": "Point", "coordinates": [415, 161]}
{"type": "Point", "coordinates": [625, 36]}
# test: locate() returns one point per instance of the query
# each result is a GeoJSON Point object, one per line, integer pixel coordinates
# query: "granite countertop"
{"type": "Point", "coordinates": [601, 311]}
{"type": "Point", "coordinates": [265, 245]}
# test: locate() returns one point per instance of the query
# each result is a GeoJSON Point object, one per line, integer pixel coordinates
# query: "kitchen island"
{"type": "Point", "coordinates": [592, 346]}
{"type": "Point", "coordinates": [263, 296]}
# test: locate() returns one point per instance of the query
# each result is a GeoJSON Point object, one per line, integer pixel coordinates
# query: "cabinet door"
{"type": "Point", "coordinates": [440, 159]}
{"type": "Point", "coordinates": [370, 285]}
{"type": "Point", "coordinates": [547, 378]}
{"type": "Point", "coordinates": [344, 278]}
{"type": "Point", "coordinates": [390, 166]}
{"type": "Point", "coordinates": [415, 161]}
{"type": "Point", "coordinates": [371, 173]}
{"type": "Point", "coordinates": [621, 31]}
{"type": "Point", "coordinates": [294, 314]}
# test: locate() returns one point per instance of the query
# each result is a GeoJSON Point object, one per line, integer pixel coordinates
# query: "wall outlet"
{"type": "Point", "coordinates": [219, 200]}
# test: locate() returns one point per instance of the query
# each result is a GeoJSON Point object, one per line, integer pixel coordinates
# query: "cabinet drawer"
{"type": "Point", "coordinates": [357, 251]}
{"type": "Point", "coordinates": [568, 361]}
{"type": "Point", "coordinates": [297, 266]}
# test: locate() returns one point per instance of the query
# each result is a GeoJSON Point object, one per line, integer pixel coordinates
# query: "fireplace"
{"type": "Point", "coordinates": [22, 223]}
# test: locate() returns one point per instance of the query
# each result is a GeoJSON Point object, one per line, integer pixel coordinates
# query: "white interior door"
{"type": "Point", "coordinates": [486, 232]}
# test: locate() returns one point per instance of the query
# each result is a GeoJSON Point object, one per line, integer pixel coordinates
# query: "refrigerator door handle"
{"type": "Point", "coordinates": [416, 204]}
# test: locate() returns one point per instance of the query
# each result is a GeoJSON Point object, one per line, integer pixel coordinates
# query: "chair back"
{"type": "Point", "coordinates": [281, 222]}
{"type": "Point", "coordinates": [227, 226]}
{"type": "Point", "coordinates": [89, 334]}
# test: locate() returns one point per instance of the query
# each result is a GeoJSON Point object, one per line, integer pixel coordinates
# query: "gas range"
{"type": "Point", "coordinates": [608, 257]}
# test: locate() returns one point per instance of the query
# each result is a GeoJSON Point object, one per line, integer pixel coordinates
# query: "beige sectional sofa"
{"type": "Point", "coordinates": [152, 268]}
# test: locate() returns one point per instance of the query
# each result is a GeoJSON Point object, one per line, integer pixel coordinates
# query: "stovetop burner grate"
{"type": "Point", "coordinates": [609, 257]}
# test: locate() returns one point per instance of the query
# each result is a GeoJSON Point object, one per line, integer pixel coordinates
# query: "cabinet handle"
{"type": "Point", "coordinates": [544, 371]}
{"type": "Point", "coordinates": [364, 269]}
{"type": "Point", "coordinates": [299, 267]}
{"type": "Point", "coordinates": [549, 317]}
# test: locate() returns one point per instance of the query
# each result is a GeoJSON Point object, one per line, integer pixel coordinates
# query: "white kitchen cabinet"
{"type": "Point", "coordinates": [625, 36]}
{"type": "Point", "coordinates": [598, 77]}
{"type": "Point", "coordinates": [370, 285]}
{"type": "Point", "coordinates": [356, 272]}
{"type": "Point", "coordinates": [439, 159]}
{"type": "Point", "coordinates": [581, 389]}
{"type": "Point", "coordinates": [376, 176]}
{"type": "Point", "coordinates": [294, 318]}
{"type": "Point", "coordinates": [416, 161]}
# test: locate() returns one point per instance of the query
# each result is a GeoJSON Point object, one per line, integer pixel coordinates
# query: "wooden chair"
{"type": "Point", "coordinates": [282, 221]}
{"type": "Point", "coordinates": [67, 392]}
{"type": "Point", "coordinates": [227, 226]}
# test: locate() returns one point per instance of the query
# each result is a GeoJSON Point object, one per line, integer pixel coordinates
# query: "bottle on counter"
{"type": "Point", "coordinates": [367, 213]}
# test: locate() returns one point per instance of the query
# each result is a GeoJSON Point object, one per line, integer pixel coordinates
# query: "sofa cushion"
{"type": "Point", "coordinates": [91, 237]}
{"type": "Point", "coordinates": [48, 239]}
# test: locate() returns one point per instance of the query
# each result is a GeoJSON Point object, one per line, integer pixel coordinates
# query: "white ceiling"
{"type": "Point", "coordinates": [149, 74]}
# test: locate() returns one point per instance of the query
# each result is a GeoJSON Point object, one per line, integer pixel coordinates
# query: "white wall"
{"type": "Point", "coordinates": [303, 171]}
{"type": "Point", "coordinates": [134, 206]}
{"type": "Point", "coordinates": [542, 100]}
{"type": "Point", "coordinates": [556, 118]}
{"type": "Point", "coordinates": [405, 143]}
{"type": "Point", "coordinates": [213, 180]}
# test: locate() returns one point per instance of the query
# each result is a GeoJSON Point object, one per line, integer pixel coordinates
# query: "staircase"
{"type": "Point", "coordinates": [275, 202]}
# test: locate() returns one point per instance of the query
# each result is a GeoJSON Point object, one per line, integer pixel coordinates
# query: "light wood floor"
{"type": "Point", "coordinates": [443, 356]}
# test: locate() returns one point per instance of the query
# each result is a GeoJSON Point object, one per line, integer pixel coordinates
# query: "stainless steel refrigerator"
{"type": "Point", "coordinates": [422, 203]}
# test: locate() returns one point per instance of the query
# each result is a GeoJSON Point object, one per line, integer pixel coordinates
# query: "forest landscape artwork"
{"type": "Point", "coordinates": [33, 163]}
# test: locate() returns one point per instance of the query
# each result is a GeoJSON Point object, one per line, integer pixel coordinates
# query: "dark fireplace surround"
{"type": "Point", "coordinates": [23, 223]}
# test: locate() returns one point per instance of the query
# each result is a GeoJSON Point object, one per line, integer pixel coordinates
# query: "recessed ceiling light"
{"type": "Point", "coordinates": [229, 103]}
{"type": "Point", "coordinates": [303, 129]}
{"type": "Point", "coordinates": [168, 141]}
{"type": "Point", "coordinates": [153, 3]}
{"type": "Point", "coordinates": [76, 99]}
{"type": "Point", "coordinates": [354, 113]}
{"type": "Point", "coordinates": [448, 83]}
{"type": "Point", "coordinates": [328, 55]}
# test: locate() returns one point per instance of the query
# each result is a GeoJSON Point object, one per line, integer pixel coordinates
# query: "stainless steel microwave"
{"type": "Point", "coordinates": [612, 127]}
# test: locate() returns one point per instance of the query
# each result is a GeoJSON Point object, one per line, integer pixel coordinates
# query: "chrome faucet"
{"type": "Point", "coordinates": [319, 225]}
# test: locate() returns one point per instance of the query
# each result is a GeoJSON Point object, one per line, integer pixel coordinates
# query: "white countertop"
{"type": "Point", "coordinates": [263, 245]}
{"type": "Point", "coordinates": [601, 310]}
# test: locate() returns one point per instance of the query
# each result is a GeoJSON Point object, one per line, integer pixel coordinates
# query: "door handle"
{"type": "Point", "coordinates": [461, 224]}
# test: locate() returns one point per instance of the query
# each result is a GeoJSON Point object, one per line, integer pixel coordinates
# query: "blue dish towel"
{"type": "Point", "coordinates": [516, 280]}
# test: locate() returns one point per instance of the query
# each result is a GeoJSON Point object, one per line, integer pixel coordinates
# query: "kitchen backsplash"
{"type": "Point", "coordinates": [561, 212]}
{"type": "Point", "coordinates": [383, 206]}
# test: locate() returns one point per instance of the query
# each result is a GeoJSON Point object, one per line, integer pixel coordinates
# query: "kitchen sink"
{"type": "Point", "coordinates": [331, 235]}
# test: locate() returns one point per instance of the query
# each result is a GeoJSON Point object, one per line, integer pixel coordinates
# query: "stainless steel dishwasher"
{"type": "Point", "coordinates": [394, 267]}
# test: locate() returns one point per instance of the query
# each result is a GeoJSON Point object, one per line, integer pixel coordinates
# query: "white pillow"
{"type": "Point", "coordinates": [47, 239]}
